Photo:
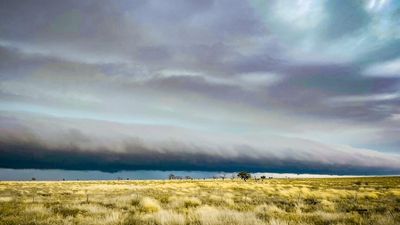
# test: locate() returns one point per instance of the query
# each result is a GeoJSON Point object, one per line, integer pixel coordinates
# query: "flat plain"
{"type": "Point", "coordinates": [367, 200]}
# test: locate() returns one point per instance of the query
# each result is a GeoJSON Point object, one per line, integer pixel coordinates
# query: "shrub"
{"type": "Point", "coordinates": [191, 202]}
{"type": "Point", "coordinates": [65, 211]}
{"type": "Point", "coordinates": [149, 205]}
{"type": "Point", "coordinates": [135, 200]}
{"type": "Point", "coordinates": [244, 175]}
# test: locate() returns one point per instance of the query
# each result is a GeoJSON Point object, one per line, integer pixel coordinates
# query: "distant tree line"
{"type": "Point", "coordinates": [241, 175]}
{"type": "Point", "coordinates": [173, 177]}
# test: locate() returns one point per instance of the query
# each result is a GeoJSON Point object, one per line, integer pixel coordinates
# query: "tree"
{"type": "Point", "coordinates": [244, 175]}
{"type": "Point", "coordinates": [223, 176]}
{"type": "Point", "coordinates": [171, 176]}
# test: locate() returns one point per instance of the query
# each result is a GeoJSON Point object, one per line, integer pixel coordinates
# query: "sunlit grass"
{"type": "Point", "coordinates": [203, 202]}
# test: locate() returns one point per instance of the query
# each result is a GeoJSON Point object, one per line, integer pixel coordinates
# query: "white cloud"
{"type": "Point", "coordinates": [386, 69]}
{"type": "Point", "coordinates": [365, 98]}
{"type": "Point", "coordinates": [246, 81]}
{"type": "Point", "coordinates": [66, 54]}
{"type": "Point", "coordinates": [376, 5]}
{"type": "Point", "coordinates": [395, 117]}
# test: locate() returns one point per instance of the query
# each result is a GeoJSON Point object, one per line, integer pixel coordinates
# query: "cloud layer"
{"type": "Point", "coordinates": [288, 86]}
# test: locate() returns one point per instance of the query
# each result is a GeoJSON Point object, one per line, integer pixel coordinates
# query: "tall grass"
{"type": "Point", "coordinates": [337, 201]}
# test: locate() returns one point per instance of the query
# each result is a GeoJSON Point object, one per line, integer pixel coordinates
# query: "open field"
{"type": "Point", "coordinates": [371, 201]}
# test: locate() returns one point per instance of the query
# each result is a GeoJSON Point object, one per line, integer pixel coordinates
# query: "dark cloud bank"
{"type": "Point", "coordinates": [25, 157]}
{"type": "Point", "coordinates": [40, 146]}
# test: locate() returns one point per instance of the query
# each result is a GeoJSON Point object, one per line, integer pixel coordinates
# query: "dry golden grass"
{"type": "Point", "coordinates": [337, 201]}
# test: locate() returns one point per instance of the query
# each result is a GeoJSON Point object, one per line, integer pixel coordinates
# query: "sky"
{"type": "Point", "coordinates": [288, 86]}
{"type": "Point", "coordinates": [68, 175]}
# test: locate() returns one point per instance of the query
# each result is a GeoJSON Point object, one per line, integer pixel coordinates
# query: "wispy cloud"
{"type": "Point", "coordinates": [366, 98]}
{"type": "Point", "coordinates": [385, 69]}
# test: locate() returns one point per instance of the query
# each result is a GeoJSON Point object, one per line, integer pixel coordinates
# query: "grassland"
{"type": "Point", "coordinates": [371, 201]}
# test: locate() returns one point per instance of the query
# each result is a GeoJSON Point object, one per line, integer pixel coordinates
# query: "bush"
{"type": "Point", "coordinates": [244, 175]}
{"type": "Point", "coordinates": [149, 205]}
{"type": "Point", "coordinates": [65, 212]}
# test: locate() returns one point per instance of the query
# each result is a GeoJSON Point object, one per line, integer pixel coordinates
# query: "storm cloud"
{"type": "Point", "coordinates": [265, 86]}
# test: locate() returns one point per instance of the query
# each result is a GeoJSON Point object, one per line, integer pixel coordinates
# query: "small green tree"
{"type": "Point", "coordinates": [244, 175]}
